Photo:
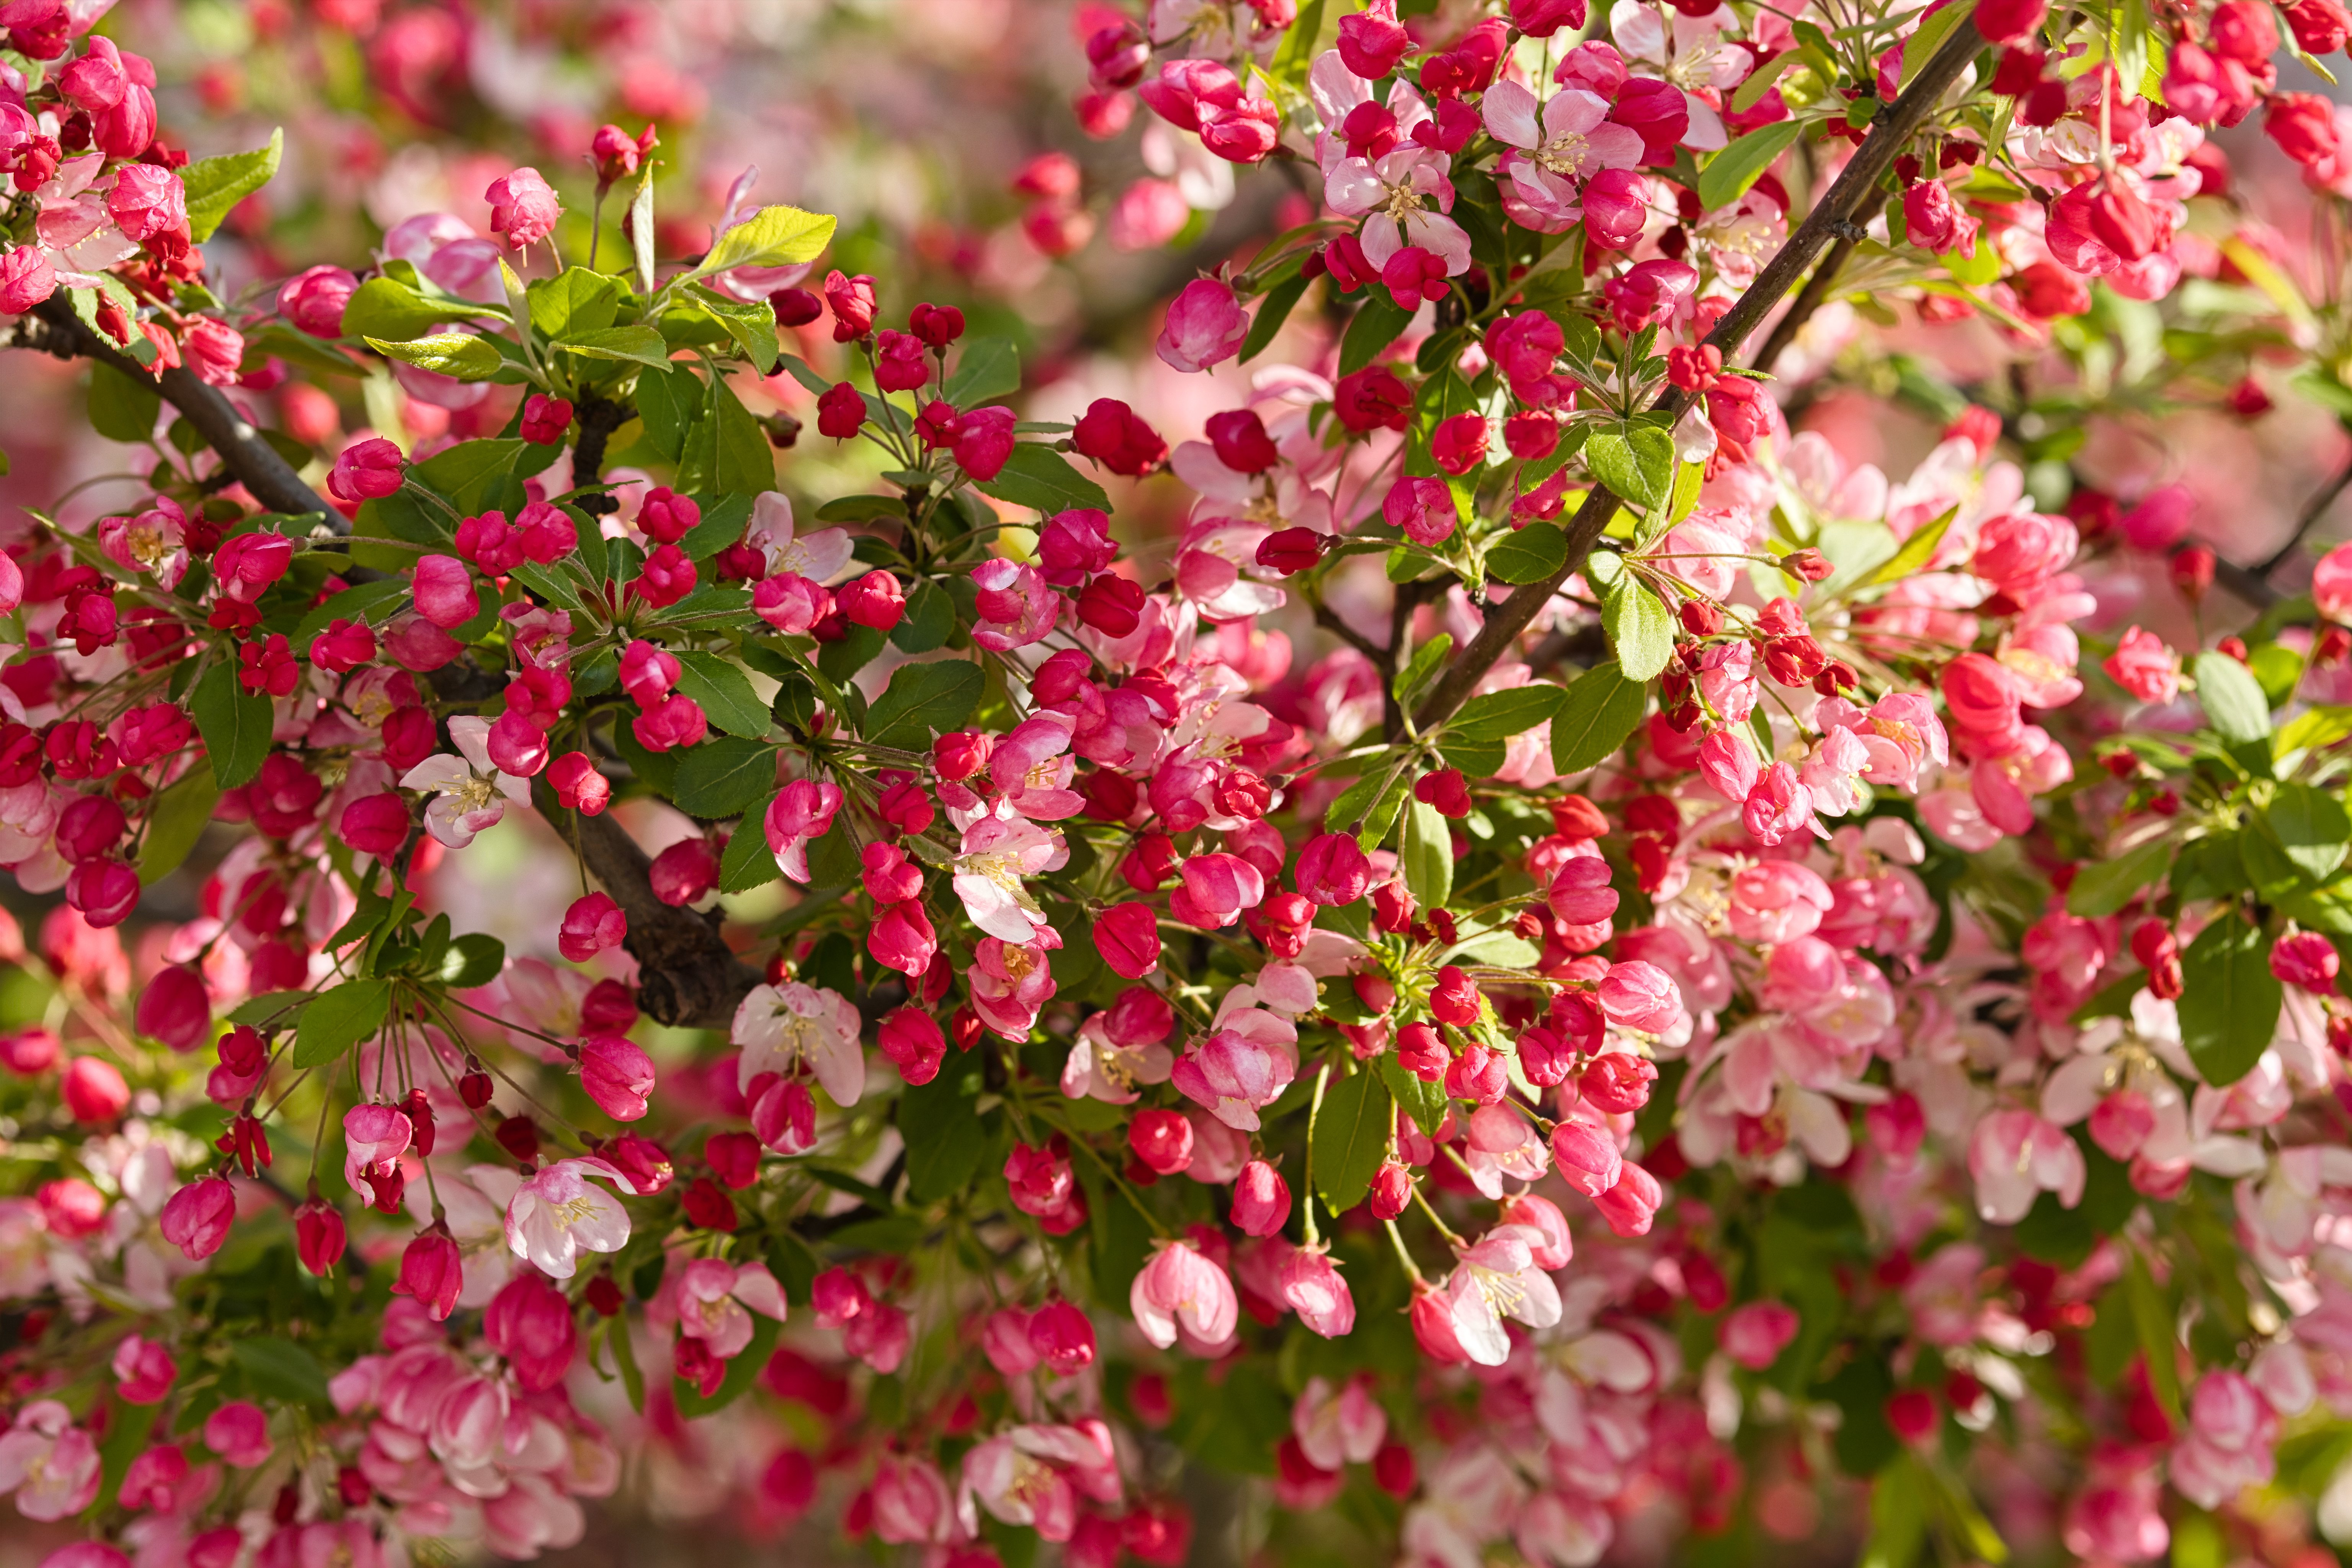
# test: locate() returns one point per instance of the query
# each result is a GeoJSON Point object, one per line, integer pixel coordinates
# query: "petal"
{"type": "Point", "coordinates": [1510, 113]}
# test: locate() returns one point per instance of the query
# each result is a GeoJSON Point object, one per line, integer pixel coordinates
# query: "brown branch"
{"type": "Point", "coordinates": [1809, 299]}
{"type": "Point", "coordinates": [687, 976]}
{"type": "Point", "coordinates": [1832, 219]}
{"type": "Point", "coordinates": [269, 479]}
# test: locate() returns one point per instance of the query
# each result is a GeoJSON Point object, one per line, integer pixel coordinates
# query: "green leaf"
{"type": "Point", "coordinates": [1501, 715]}
{"type": "Point", "coordinates": [636, 344]}
{"type": "Point", "coordinates": [641, 244]}
{"type": "Point", "coordinates": [1425, 1102]}
{"type": "Point", "coordinates": [1428, 855]}
{"type": "Point", "coordinates": [389, 309]}
{"type": "Point", "coordinates": [279, 1369]}
{"type": "Point", "coordinates": [475, 958]}
{"type": "Point", "coordinates": [174, 822]}
{"type": "Point", "coordinates": [837, 661]}
{"type": "Point", "coordinates": [1530, 555]}
{"type": "Point", "coordinates": [271, 1008]}
{"type": "Point", "coordinates": [1751, 92]}
{"type": "Point", "coordinates": [2233, 700]}
{"type": "Point", "coordinates": [1912, 558]}
{"type": "Point", "coordinates": [575, 300]}
{"type": "Point", "coordinates": [2152, 1320]}
{"type": "Point", "coordinates": [1422, 667]}
{"type": "Point", "coordinates": [928, 622]}
{"type": "Point", "coordinates": [2104, 886]}
{"type": "Point", "coordinates": [1280, 300]}
{"type": "Point", "coordinates": [1351, 1139]}
{"type": "Point", "coordinates": [746, 863]}
{"type": "Point", "coordinates": [772, 237]}
{"type": "Point", "coordinates": [1636, 461]}
{"type": "Point", "coordinates": [1922, 45]}
{"type": "Point", "coordinates": [725, 777]}
{"type": "Point", "coordinates": [1729, 173]}
{"type": "Point", "coordinates": [923, 700]}
{"type": "Point", "coordinates": [215, 185]}
{"type": "Point", "coordinates": [988, 368]}
{"type": "Point", "coordinates": [123, 409]}
{"type": "Point", "coordinates": [1378, 323]}
{"type": "Point", "coordinates": [725, 693]}
{"type": "Point", "coordinates": [2312, 828]}
{"type": "Point", "coordinates": [2229, 1001]}
{"type": "Point", "coordinates": [1601, 709]}
{"type": "Point", "coordinates": [1383, 812]}
{"type": "Point", "coordinates": [724, 451]}
{"type": "Point", "coordinates": [1040, 478]}
{"type": "Point", "coordinates": [750, 322]}
{"type": "Point", "coordinates": [234, 725]}
{"type": "Point", "coordinates": [339, 1019]}
{"type": "Point", "coordinates": [1640, 627]}
{"type": "Point", "coordinates": [944, 1132]}
{"type": "Point", "coordinates": [460, 355]}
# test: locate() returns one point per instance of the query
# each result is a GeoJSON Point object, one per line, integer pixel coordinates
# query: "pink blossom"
{"type": "Point", "coordinates": [1312, 1288]}
{"type": "Point", "coordinates": [239, 1433]}
{"type": "Point", "coordinates": [50, 1464]}
{"type": "Point", "coordinates": [802, 810]}
{"type": "Point", "coordinates": [1179, 1291]}
{"type": "Point", "coordinates": [558, 1212]}
{"type": "Point", "coordinates": [1755, 1335]}
{"type": "Point", "coordinates": [522, 207]}
{"type": "Point", "coordinates": [196, 1218]}
{"type": "Point", "coordinates": [2014, 1155]}
{"type": "Point", "coordinates": [1205, 326]}
{"type": "Point", "coordinates": [616, 1074]}
{"type": "Point", "coordinates": [1234, 1075]}
{"type": "Point", "coordinates": [2144, 666]}
{"type": "Point", "coordinates": [1016, 606]}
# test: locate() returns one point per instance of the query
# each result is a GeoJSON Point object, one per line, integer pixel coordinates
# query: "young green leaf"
{"type": "Point", "coordinates": [2233, 700]}
{"type": "Point", "coordinates": [772, 237]}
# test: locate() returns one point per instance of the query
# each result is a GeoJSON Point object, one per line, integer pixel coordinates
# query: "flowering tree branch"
{"type": "Point", "coordinates": [1831, 217]}
{"type": "Point", "coordinates": [686, 975]}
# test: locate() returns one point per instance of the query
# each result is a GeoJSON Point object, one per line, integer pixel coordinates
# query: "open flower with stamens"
{"type": "Point", "coordinates": [997, 855]}
{"type": "Point", "coordinates": [1556, 146]}
{"type": "Point", "coordinates": [781, 1026]}
{"type": "Point", "coordinates": [1497, 1278]}
{"type": "Point", "coordinates": [558, 1214]}
{"type": "Point", "coordinates": [469, 792]}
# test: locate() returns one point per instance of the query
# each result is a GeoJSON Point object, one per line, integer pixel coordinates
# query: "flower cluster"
{"type": "Point", "coordinates": [1487, 918]}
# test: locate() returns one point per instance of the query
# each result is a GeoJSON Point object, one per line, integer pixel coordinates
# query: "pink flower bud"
{"type": "Point", "coordinates": [1261, 1200]}
{"type": "Point", "coordinates": [365, 470]}
{"type": "Point", "coordinates": [911, 1038]}
{"type": "Point", "coordinates": [1205, 326]}
{"type": "Point", "coordinates": [1162, 1140]}
{"type": "Point", "coordinates": [594, 924]}
{"type": "Point", "coordinates": [431, 1272]}
{"type": "Point", "coordinates": [1063, 1338]}
{"type": "Point", "coordinates": [1755, 1335]}
{"type": "Point", "coordinates": [175, 1008]}
{"type": "Point", "coordinates": [319, 1237]}
{"type": "Point", "coordinates": [1423, 510]}
{"type": "Point", "coordinates": [94, 1091]}
{"type": "Point", "coordinates": [522, 207]}
{"type": "Point", "coordinates": [196, 1218]}
{"type": "Point", "coordinates": [616, 1074]}
{"type": "Point", "coordinates": [2306, 959]}
{"type": "Point", "coordinates": [445, 591]}
{"type": "Point", "coordinates": [1333, 869]}
{"type": "Point", "coordinates": [1127, 937]}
